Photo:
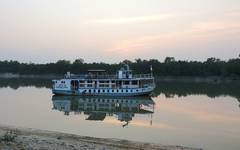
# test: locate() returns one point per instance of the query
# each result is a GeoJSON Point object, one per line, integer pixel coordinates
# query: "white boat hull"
{"type": "Point", "coordinates": [105, 92]}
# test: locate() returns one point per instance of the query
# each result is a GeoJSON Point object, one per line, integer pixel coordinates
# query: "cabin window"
{"type": "Point", "coordinates": [126, 90]}
{"type": "Point", "coordinates": [89, 90]}
{"type": "Point", "coordinates": [98, 91]}
{"type": "Point", "coordinates": [117, 91]}
{"type": "Point", "coordinates": [94, 91]}
{"type": "Point", "coordinates": [108, 91]}
{"type": "Point", "coordinates": [113, 81]}
{"type": "Point", "coordinates": [103, 91]}
{"type": "Point", "coordinates": [112, 90]}
{"type": "Point", "coordinates": [81, 81]}
{"type": "Point", "coordinates": [137, 90]}
{"type": "Point", "coordinates": [89, 81]}
{"type": "Point", "coordinates": [89, 85]}
{"type": "Point", "coordinates": [134, 82]}
{"type": "Point", "coordinates": [126, 82]}
{"type": "Point", "coordinates": [122, 90]}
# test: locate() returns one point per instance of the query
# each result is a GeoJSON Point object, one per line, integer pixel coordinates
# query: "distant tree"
{"type": "Point", "coordinates": [138, 60]}
{"type": "Point", "coordinates": [154, 61]}
{"type": "Point", "coordinates": [126, 61]}
{"type": "Point", "coordinates": [79, 61]}
{"type": "Point", "coordinates": [169, 59]}
{"type": "Point", "coordinates": [63, 62]}
{"type": "Point", "coordinates": [213, 60]}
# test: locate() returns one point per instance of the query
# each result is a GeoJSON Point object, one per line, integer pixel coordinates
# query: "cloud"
{"type": "Point", "coordinates": [198, 33]}
{"type": "Point", "coordinates": [138, 19]}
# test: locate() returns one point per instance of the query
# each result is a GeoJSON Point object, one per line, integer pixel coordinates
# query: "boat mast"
{"type": "Point", "coordinates": [151, 69]}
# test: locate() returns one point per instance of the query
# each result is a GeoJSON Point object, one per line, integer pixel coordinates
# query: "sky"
{"type": "Point", "coordinates": [110, 31]}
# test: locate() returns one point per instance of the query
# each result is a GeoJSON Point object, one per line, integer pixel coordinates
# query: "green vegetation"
{"type": "Point", "coordinates": [170, 67]}
{"type": "Point", "coordinates": [9, 136]}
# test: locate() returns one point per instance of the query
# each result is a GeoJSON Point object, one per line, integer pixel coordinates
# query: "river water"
{"type": "Point", "coordinates": [203, 115]}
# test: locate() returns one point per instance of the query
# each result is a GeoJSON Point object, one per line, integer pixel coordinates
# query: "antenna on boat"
{"type": "Point", "coordinates": [151, 69]}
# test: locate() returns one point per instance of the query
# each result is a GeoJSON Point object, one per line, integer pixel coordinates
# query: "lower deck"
{"type": "Point", "coordinates": [106, 92]}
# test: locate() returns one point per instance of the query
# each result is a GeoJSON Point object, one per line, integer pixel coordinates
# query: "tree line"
{"type": "Point", "coordinates": [169, 67]}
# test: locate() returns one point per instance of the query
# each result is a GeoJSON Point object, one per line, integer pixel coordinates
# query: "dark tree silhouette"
{"type": "Point", "coordinates": [170, 67]}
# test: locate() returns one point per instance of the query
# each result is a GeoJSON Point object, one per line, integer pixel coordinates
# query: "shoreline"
{"type": "Point", "coordinates": [35, 139]}
{"type": "Point", "coordinates": [157, 78]}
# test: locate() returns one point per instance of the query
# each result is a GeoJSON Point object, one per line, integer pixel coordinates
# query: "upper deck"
{"type": "Point", "coordinates": [108, 77]}
{"type": "Point", "coordinates": [123, 74]}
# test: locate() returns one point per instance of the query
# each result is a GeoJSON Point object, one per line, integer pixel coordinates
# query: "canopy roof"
{"type": "Point", "coordinates": [97, 70]}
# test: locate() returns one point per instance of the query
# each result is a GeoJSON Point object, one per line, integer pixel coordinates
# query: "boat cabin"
{"type": "Point", "coordinates": [99, 82]}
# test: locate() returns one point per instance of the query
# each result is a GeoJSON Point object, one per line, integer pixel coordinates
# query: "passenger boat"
{"type": "Point", "coordinates": [98, 82]}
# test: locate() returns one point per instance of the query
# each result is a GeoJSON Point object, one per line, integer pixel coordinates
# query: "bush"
{"type": "Point", "coordinates": [9, 136]}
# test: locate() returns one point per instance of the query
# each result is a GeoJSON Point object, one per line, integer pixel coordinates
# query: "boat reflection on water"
{"type": "Point", "coordinates": [98, 108]}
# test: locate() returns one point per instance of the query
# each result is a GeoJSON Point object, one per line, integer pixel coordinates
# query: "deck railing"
{"type": "Point", "coordinates": [143, 76]}
{"type": "Point", "coordinates": [72, 76]}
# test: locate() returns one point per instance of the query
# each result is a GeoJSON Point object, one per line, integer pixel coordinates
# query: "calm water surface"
{"type": "Point", "coordinates": [204, 115]}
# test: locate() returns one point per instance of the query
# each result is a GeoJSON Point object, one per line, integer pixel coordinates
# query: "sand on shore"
{"type": "Point", "coordinates": [34, 139]}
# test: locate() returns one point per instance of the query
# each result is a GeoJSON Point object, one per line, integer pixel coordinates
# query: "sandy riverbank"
{"type": "Point", "coordinates": [33, 139]}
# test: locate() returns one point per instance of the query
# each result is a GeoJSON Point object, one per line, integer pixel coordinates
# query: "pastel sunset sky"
{"type": "Point", "coordinates": [113, 30]}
